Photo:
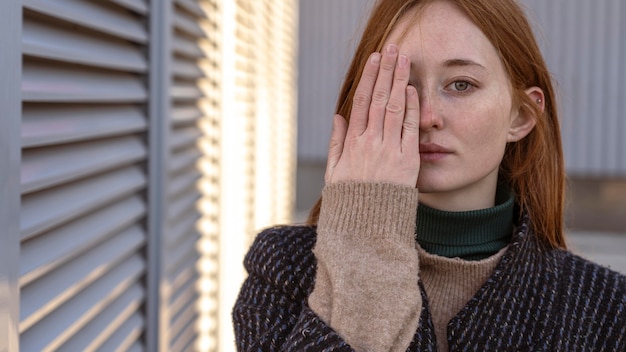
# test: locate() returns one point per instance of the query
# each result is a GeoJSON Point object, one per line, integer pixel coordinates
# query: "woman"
{"type": "Point", "coordinates": [450, 99]}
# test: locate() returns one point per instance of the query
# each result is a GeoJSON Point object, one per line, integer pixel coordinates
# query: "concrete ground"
{"type": "Point", "coordinates": [606, 248]}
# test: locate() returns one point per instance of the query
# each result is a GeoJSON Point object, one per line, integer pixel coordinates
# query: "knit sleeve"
{"type": "Point", "coordinates": [367, 265]}
{"type": "Point", "coordinates": [271, 313]}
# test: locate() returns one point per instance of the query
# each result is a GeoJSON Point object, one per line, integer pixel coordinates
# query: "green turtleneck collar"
{"type": "Point", "coordinates": [470, 235]}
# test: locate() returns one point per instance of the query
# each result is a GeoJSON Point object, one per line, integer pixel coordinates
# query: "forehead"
{"type": "Point", "coordinates": [442, 28]}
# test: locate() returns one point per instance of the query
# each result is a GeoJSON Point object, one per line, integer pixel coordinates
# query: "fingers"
{"type": "Point", "coordinates": [395, 108]}
{"type": "Point", "coordinates": [381, 142]}
{"type": "Point", "coordinates": [337, 139]}
{"type": "Point", "coordinates": [382, 91]}
{"type": "Point", "coordinates": [410, 125]}
{"type": "Point", "coordinates": [380, 98]}
{"type": "Point", "coordinates": [363, 96]}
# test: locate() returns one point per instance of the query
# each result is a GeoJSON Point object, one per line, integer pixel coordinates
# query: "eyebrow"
{"type": "Point", "coordinates": [462, 62]}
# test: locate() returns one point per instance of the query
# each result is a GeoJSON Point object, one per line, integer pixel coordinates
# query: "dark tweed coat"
{"type": "Point", "coordinates": [537, 299]}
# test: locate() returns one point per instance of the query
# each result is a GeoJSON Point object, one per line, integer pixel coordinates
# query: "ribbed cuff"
{"type": "Point", "coordinates": [369, 210]}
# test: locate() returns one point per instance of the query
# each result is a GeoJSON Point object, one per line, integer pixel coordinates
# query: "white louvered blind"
{"type": "Point", "coordinates": [190, 243]}
{"type": "Point", "coordinates": [275, 109]}
{"type": "Point", "coordinates": [257, 134]}
{"type": "Point", "coordinates": [83, 176]}
{"type": "Point", "coordinates": [210, 105]}
{"type": "Point", "coordinates": [287, 94]}
{"type": "Point", "coordinates": [236, 152]}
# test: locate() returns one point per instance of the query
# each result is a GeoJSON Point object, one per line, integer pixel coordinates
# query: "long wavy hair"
{"type": "Point", "coordinates": [533, 167]}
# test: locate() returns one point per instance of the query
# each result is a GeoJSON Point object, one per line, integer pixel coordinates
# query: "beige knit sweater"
{"type": "Point", "coordinates": [366, 286]}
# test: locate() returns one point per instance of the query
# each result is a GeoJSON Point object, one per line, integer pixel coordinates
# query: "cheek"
{"type": "Point", "coordinates": [486, 132]}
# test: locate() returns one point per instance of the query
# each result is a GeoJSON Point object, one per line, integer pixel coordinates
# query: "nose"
{"type": "Point", "coordinates": [430, 117]}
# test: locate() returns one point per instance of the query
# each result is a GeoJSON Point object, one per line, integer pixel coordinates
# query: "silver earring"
{"type": "Point", "coordinates": [539, 101]}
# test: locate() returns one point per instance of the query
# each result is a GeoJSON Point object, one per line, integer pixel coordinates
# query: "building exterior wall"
{"type": "Point", "coordinates": [134, 170]}
{"type": "Point", "coordinates": [585, 49]}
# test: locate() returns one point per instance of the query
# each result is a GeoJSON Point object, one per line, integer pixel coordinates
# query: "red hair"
{"type": "Point", "coordinates": [533, 167]}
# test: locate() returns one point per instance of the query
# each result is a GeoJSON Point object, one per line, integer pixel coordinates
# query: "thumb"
{"type": "Point", "coordinates": [335, 149]}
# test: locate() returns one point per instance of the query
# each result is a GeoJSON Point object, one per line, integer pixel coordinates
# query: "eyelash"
{"type": "Point", "coordinates": [470, 86]}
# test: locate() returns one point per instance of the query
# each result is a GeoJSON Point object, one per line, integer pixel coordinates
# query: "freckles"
{"type": "Point", "coordinates": [484, 133]}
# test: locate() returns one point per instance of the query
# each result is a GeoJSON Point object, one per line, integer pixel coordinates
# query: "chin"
{"type": "Point", "coordinates": [428, 188]}
{"type": "Point", "coordinates": [430, 185]}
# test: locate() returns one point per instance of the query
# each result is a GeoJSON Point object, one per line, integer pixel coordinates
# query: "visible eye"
{"type": "Point", "coordinates": [461, 86]}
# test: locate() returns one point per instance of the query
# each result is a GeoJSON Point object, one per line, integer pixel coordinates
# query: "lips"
{"type": "Point", "coordinates": [433, 148]}
{"type": "Point", "coordinates": [433, 152]}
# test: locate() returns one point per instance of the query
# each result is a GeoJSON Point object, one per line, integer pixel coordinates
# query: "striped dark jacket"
{"type": "Point", "coordinates": [537, 299]}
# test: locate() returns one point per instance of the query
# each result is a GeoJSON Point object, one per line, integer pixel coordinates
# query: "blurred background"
{"type": "Point", "coordinates": [144, 144]}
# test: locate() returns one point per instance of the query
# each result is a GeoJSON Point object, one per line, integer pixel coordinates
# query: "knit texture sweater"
{"type": "Point", "coordinates": [536, 299]}
{"type": "Point", "coordinates": [450, 283]}
{"type": "Point", "coordinates": [457, 253]}
{"type": "Point", "coordinates": [471, 235]}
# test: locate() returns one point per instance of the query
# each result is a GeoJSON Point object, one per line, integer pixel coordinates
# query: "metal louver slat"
{"type": "Point", "coordinates": [181, 229]}
{"type": "Point", "coordinates": [184, 159]}
{"type": "Point", "coordinates": [47, 209]}
{"type": "Point", "coordinates": [182, 204]}
{"type": "Point", "coordinates": [184, 308]}
{"type": "Point", "coordinates": [48, 124]}
{"type": "Point", "coordinates": [187, 24]}
{"type": "Point", "coordinates": [52, 82]}
{"type": "Point", "coordinates": [98, 15]}
{"type": "Point", "coordinates": [64, 43]}
{"type": "Point", "coordinates": [44, 295]}
{"type": "Point", "coordinates": [185, 342]}
{"type": "Point", "coordinates": [187, 47]}
{"type": "Point", "coordinates": [125, 336]}
{"type": "Point", "coordinates": [186, 91]}
{"type": "Point", "coordinates": [177, 256]}
{"type": "Point", "coordinates": [181, 297]}
{"type": "Point", "coordinates": [192, 7]}
{"type": "Point", "coordinates": [185, 272]}
{"type": "Point", "coordinates": [184, 181]}
{"type": "Point", "coordinates": [48, 167]}
{"type": "Point", "coordinates": [42, 254]}
{"type": "Point", "coordinates": [186, 69]}
{"type": "Point", "coordinates": [139, 6]}
{"type": "Point", "coordinates": [56, 328]}
{"type": "Point", "coordinates": [100, 329]}
{"type": "Point", "coordinates": [184, 329]}
{"type": "Point", "coordinates": [186, 113]}
{"type": "Point", "coordinates": [136, 347]}
{"type": "Point", "coordinates": [184, 137]}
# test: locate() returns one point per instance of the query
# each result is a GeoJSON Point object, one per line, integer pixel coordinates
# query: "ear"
{"type": "Point", "coordinates": [523, 119]}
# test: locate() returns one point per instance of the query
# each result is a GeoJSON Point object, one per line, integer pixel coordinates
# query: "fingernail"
{"type": "Point", "coordinates": [404, 61]}
{"type": "Point", "coordinates": [392, 49]}
{"type": "Point", "coordinates": [375, 58]}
